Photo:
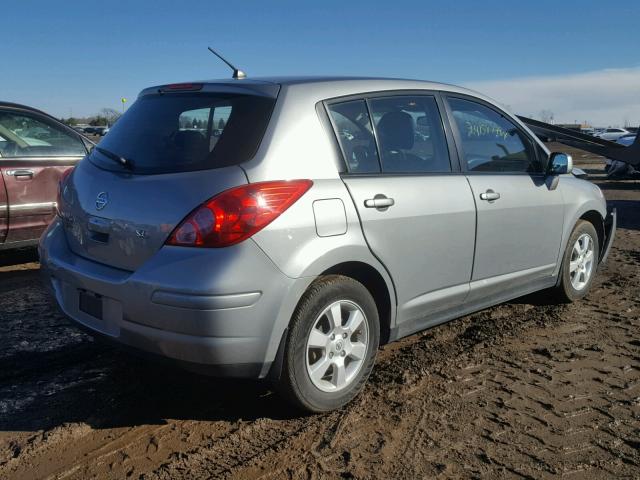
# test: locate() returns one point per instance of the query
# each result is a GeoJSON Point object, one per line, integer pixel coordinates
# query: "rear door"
{"type": "Point", "coordinates": [520, 212]}
{"type": "Point", "coordinates": [35, 151]}
{"type": "Point", "coordinates": [417, 211]}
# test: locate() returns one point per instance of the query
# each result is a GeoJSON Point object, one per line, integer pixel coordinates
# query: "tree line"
{"type": "Point", "coordinates": [106, 117]}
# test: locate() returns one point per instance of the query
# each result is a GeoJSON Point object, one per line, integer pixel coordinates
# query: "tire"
{"type": "Point", "coordinates": [568, 290]}
{"type": "Point", "coordinates": [355, 349]}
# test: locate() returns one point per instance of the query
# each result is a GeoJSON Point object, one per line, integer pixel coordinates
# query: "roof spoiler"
{"type": "Point", "coordinates": [598, 146]}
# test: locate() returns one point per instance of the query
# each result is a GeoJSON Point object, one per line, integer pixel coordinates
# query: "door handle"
{"type": "Point", "coordinates": [21, 173]}
{"type": "Point", "coordinates": [489, 195]}
{"type": "Point", "coordinates": [379, 201]}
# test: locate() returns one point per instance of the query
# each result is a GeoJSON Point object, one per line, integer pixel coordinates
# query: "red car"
{"type": "Point", "coordinates": [35, 152]}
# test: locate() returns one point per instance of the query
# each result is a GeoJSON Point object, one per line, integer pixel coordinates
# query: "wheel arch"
{"type": "Point", "coordinates": [583, 201]}
{"type": "Point", "coordinates": [595, 218]}
{"type": "Point", "coordinates": [377, 286]}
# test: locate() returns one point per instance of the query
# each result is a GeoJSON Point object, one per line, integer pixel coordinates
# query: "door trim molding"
{"type": "Point", "coordinates": [42, 208]}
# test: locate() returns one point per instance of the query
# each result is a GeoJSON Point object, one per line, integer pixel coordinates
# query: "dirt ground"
{"type": "Point", "coordinates": [521, 390]}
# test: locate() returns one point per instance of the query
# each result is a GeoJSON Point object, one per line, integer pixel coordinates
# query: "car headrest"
{"type": "Point", "coordinates": [396, 131]}
{"type": "Point", "coordinates": [191, 143]}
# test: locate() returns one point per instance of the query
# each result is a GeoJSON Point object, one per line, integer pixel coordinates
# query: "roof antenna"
{"type": "Point", "coordinates": [237, 73]}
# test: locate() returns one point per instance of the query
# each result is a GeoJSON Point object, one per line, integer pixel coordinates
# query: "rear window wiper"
{"type": "Point", "coordinates": [115, 157]}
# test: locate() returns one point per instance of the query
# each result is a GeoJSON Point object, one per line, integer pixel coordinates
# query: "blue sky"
{"type": "Point", "coordinates": [77, 57]}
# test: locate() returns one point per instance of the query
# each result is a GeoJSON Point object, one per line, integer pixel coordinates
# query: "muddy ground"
{"type": "Point", "coordinates": [521, 390]}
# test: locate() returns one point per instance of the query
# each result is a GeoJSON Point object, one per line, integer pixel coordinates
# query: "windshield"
{"type": "Point", "coordinates": [178, 132]}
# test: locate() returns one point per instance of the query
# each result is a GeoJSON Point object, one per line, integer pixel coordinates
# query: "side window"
{"type": "Point", "coordinates": [354, 131]}
{"type": "Point", "coordinates": [491, 142]}
{"type": "Point", "coordinates": [410, 134]}
{"type": "Point", "coordinates": [22, 135]}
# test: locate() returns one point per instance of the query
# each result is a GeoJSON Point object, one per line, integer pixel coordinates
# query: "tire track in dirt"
{"type": "Point", "coordinates": [545, 410]}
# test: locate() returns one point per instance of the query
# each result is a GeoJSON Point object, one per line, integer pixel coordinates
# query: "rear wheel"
{"type": "Point", "coordinates": [332, 344]}
{"type": "Point", "coordinates": [579, 263]}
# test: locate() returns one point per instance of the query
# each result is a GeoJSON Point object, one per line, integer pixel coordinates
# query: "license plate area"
{"type": "Point", "coordinates": [90, 303]}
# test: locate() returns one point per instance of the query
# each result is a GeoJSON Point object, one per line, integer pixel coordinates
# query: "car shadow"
{"type": "Point", "coordinates": [105, 387]}
{"type": "Point", "coordinates": [52, 373]}
{"type": "Point", "coordinates": [9, 258]}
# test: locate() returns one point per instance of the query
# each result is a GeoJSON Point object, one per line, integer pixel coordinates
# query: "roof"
{"type": "Point", "coordinates": [330, 86]}
{"type": "Point", "coordinates": [19, 106]}
{"type": "Point", "coordinates": [336, 80]}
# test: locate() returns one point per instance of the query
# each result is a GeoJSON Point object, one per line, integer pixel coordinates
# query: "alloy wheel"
{"type": "Point", "coordinates": [337, 346]}
{"type": "Point", "coordinates": [582, 261]}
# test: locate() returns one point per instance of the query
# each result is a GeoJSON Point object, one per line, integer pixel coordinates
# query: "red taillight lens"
{"type": "Point", "coordinates": [61, 183]}
{"type": "Point", "coordinates": [236, 214]}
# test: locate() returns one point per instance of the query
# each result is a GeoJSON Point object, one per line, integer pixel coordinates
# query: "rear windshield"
{"type": "Point", "coordinates": [178, 132]}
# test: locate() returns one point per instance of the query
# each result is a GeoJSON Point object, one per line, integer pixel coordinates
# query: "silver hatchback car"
{"type": "Point", "coordinates": [284, 228]}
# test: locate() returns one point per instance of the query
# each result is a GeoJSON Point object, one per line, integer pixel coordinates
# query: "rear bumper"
{"type": "Point", "coordinates": [219, 311]}
{"type": "Point", "coordinates": [610, 224]}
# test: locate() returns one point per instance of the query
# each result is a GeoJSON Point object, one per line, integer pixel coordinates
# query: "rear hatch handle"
{"type": "Point", "coordinates": [99, 229]}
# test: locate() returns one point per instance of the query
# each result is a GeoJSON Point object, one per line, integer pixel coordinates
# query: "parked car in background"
{"type": "Point", "coordinates": [36, 151]}
{"type": "Point", "coordinates": [96, 130]}
{"type": "Point", "coordinates": [627, 140]}
{"type": "Point", "coordinates": [284, 228]}
{"type": "Point", "coordinates": [619, 170]}
{"type": "Point", "coordinates": [613, 134]}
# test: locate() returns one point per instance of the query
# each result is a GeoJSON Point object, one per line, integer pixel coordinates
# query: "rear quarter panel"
{"type": "Point", "coordinates": [293, 244]}
{"type": "Point", "coordinates": [296, 144]}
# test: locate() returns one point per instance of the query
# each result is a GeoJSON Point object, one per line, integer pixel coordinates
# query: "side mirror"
{"type": "Point", "coordinates": [560, 163]}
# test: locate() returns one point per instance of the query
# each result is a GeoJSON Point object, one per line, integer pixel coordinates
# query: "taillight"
{"type": "Point", "coordinates": [174, 87]}
{"type": "Point", "coordinates": [61, 184]}
{"type": "Point", "coordinates": [238, 213]}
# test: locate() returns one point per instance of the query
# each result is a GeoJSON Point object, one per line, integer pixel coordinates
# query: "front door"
{"type": "Point", "coordinates": [418, 217]}
{"type": "Point", "coordinates": [34, 153]}
{"type": "Point", "coordinates": [520, 213]}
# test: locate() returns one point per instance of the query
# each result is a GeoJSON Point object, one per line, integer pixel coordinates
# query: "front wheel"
{"type": "Point", "coordinates": [579, 263]}
{"type": "Point", "coordinates": [331, 346]}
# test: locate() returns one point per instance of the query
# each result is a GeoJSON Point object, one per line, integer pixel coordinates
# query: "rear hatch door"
{"type": "Point", "coordinates": [166, 156]}
{"type": "Point", "coordinates": [122, 220]}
